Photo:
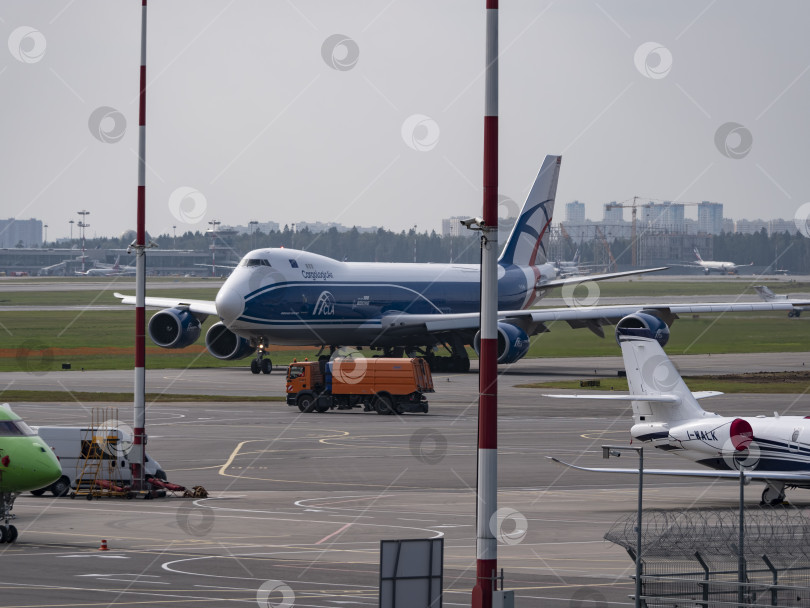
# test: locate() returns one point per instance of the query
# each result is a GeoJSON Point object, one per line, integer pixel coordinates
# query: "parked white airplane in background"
{"type": "Point", "coordinates": [667, 416]}
{"type": "Point", "coordinates": [769, 296]}
{"type": "Point", "coordinates": [285, 296]}
{"type": "Point", "coordinates": [721, 267]}
{"type": "Point", "coordinates": [112, 271]}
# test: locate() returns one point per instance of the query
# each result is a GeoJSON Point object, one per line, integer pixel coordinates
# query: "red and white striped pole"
{"type": "Point", "coordinates": [139, 439]}
{"type": "Point", "coordinates": [487, 487]}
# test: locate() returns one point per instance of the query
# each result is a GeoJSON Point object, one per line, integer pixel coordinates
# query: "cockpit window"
{"type": "Point", "coordinates": [15, 428]}
{"type": "Point", "coordinates": [254, 262]}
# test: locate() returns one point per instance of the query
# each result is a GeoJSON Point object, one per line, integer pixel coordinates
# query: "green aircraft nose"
{"type": "Point", "coordinates": [46, 468]}
{"type": "Point", "coordinates": [28, 464]}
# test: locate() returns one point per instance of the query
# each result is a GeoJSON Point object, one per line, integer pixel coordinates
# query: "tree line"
{"type": "Point", "coordinates": [783, 251]}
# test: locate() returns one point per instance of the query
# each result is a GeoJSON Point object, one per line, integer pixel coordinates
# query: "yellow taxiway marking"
{"type": "Point", "coordinates": [224, 468]}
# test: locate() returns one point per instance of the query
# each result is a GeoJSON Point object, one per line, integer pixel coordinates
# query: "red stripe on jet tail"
{"type": "Point", "coordinates": [531, 289]}
{"type": "Point", "coordinates": [533, 257]}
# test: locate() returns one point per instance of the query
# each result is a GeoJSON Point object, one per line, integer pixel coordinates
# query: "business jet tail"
{"type": "Point", "coordinates": [658, 394]}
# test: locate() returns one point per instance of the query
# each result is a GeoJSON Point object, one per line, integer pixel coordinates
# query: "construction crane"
{"type": "Point", "coordinates": [568, 240]}
{"type": "Point", "coordinates": [633, 240]}
{"type": "Point", "coordinates": [634, 206]}
{"type": "Point", "coordinates": [601, 236]}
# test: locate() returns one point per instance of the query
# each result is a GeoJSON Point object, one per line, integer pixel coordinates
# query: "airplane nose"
{"type": "Point", "coordinates": [230, 305]}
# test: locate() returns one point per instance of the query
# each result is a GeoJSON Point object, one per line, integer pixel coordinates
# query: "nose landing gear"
{"type": "Point", "coordinates": [260, 364]}
{"type": "Point", "coordinates": [8, 533]}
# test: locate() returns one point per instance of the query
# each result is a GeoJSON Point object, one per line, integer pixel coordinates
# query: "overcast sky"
{"type": "Point", "coordinates": [370, 112]}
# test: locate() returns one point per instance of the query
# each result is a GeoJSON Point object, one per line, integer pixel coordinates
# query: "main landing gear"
{"type": "Point", "coordinates": [457, 362]}
{"type": "Point", "coordinates": [260, 364]}
{"type": "Point", "coordinates": [773, 495]}
{"type": "Point", "coordinates": [8, 533]}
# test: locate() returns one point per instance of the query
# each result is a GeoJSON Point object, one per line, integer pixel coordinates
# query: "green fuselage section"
{"type": "Point", "coordinates": [26, 461]}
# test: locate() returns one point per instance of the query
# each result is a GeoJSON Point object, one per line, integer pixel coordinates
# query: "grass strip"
{"type": "Point", "coordinates": [781, 383]}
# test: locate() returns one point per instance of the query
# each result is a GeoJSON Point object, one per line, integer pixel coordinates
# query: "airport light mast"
{"type": "Point", "coordinates": [139, 427]}
{"type": "Point", "coordinates": [214, 224]}
{"type": "Point", "coordinates": [82, 225]}
{"type": "Point", "coordinates": [487, 481]}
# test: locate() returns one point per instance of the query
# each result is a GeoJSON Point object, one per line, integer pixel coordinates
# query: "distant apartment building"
{"type": "Point", "coordinates": [451, 226]}
{"type": "Point", "coordinates": [780, 225]}
{"type": "Point", "coordinates": [613, 215]}
{"type": "Point", "coordinates": [265, 227]}
{"type": "Point", "coordinates": [664, 217]}
{"type": "Point", "coordinates": [710, 218]}
{"type": "Point", "coordinates": [23, 233]}
{"type": "Point", "coordinates": [327, 226]}
{"type": "Point", "coordinates": [575, 213]}
{"type": "Point", "coordinates": [750, 226]}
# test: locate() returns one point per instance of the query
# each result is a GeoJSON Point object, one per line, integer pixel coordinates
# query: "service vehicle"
{"type": "Point", "coordinates": [80, 453]}
{"type": "Point", "coordinates": [384, 385]}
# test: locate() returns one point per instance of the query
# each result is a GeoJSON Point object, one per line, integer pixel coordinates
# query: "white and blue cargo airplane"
{"type": "Point", "coordinates": [290, 297]}
{"type": "Point", "coordinates": [667, 416]}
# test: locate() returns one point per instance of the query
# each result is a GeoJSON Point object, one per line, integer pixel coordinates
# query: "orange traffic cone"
{"type": "Point", "coordinates": [103, 546]}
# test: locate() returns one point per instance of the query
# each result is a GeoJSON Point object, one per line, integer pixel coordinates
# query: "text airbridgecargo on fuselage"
{"type": "Point", "coordinates": [317, 274]}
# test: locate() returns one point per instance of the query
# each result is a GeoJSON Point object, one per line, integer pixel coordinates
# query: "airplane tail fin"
{"type": "Point", "coordinates": [528, 241]}
{"type": "Point", "coordinates": [697, 255]}
{"type": "Point", "coordinates": [765, 293]}
{"type": "Point", "coordinates": [651, 373]}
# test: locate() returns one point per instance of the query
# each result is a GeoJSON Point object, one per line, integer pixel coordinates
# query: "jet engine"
{"type": "Point", "coordinates": [513, 343]}
{"type": "Point", "coordinates": [174, 328]}
{"type": "Point", "coordinates": [644, 325]}
{"type": "Point", "coordinates": [222, 343]}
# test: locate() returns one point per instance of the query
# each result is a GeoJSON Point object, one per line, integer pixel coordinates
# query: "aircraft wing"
{"type": "Point", "coordinates": [620, 397]}
{"type": "Point", "coordinates": [663, 398]}
{"type": "Point", "coordinates": [201, 307]}
{"type": "Point", "coordinates": [591, 317]}
{"type": "Point", "coordinates": [576, 280]}
{"type": "Point", "coordinates": [752, 474]}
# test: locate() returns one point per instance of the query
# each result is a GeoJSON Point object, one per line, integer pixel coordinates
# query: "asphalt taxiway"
{"type": "Point", "coordinates": [240, 382]}
{"type": "Point", "coordinates": [299, 502]}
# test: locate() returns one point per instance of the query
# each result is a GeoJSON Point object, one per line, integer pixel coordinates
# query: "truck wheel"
{"type": "Point", "coordinates": [425, 408]}
{"type": "Point", "coordinates": [306, 403]}
{"type": "Point", "coordinates": [254, 366]}
{"type": "Point", "coordinates": [267, 366]}
{"type": "Point", "coordinates": [383, 405]}
{"type": "Point", "coordinates": [60, 487]}
{"type": "Point", "coordinates": [39, 492]}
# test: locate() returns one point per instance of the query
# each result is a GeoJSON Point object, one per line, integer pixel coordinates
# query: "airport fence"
{"type": "Point", "coordinates": [691, 557]}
